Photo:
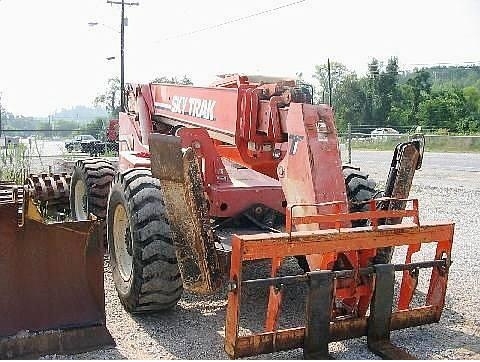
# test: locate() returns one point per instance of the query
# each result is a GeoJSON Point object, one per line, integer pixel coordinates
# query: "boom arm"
{"type": "Point", "coordinates": [248, 120]}
{"type": "Point", "coordinates": [266, 127]}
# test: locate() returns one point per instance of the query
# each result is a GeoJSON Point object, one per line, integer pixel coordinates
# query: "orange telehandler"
{"type": "Point", "coordinates": [193, 159]}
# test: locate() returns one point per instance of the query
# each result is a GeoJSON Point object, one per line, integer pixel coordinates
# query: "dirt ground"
{"type": "Point", "coordinates": [447, 189]}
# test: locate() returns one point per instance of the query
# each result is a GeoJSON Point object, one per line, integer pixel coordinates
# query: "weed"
{"type": "Point", "coordinates": [14, 163]}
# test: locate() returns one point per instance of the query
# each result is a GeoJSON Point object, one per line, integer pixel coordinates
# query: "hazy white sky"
{"type": "Point", "coordinates": [51, 59]}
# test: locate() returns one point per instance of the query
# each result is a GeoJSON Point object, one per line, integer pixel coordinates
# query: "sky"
{"type": "Point", "coordinates": [50, 58]}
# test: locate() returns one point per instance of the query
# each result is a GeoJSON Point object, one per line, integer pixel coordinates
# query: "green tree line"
{"type": "Point", "coordinates": [61, 128]}
{"type": "Point", "coordinates": [446, 99]}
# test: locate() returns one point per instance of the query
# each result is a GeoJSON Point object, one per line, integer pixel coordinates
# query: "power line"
{"type": "Point", "coordinates": [215, 26]}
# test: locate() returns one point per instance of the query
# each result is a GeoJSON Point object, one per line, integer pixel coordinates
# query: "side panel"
{"type": "Point", "coordinates": [130, 143]}
{"type": "Point", "coordinates": [311, 172]}
{"type": "Point", "coordinates": [214, 109]}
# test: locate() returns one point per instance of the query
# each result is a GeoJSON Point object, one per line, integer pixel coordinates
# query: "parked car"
{"type": "Point", "coordinates": [384, 132]}
{"type": "Point", "coordinates": [82, 143]}
{"type": "Point", "coordinates": [104, 147]}
{"type": "Point", "coordinates": [111, 139]}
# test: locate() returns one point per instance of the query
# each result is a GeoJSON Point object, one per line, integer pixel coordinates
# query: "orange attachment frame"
{"type": "Point", "coordinates": [322, 291]}
{"type": "Point", "coordinates": [338, 218]}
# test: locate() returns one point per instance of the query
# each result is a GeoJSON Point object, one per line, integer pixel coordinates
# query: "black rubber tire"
{"type": "Point", "coordinates": [359, 188]}
{"type": "Point", "coordinates": [154, 281]}
{"type": "Point", "coordinates": [97, 175]}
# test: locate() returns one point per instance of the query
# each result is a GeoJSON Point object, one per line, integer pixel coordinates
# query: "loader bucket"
{"type": "Point", "coordinates": [51, 285]}
{"type": "Point", "coordinates": [327, 288]}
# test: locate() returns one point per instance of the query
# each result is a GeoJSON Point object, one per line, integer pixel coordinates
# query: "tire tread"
{"type": "Point", "coordinates": [157, 283]}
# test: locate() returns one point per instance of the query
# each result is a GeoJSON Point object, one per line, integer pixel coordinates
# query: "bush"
{"type": "Point", "coordinates": [14, 164]}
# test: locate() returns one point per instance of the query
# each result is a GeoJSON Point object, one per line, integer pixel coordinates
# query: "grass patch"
{"type": "Point", "coordinates": [14, 163]}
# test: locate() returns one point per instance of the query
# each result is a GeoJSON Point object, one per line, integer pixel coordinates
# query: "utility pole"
{"type": "Point", "coordinates": [113, 102]}
{"type": "Point", "coordinates": [122, 36]}
{"type": "Point", "coordinates": [329, 83]}
{"type": "Point", "coordinates": [349, 143]}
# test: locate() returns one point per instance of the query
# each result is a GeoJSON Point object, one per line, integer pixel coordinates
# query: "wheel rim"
{"type": "Point", "coordinates": [81, 200]}
{"type": "Point", "coordinates": [122, 242]}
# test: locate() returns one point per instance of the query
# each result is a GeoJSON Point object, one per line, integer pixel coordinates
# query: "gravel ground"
{"type": "Point", "coordinates": [194, 329]}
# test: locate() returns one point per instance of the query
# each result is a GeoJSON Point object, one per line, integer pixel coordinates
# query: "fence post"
{"type": "Point", "coordinates": [349, 142]}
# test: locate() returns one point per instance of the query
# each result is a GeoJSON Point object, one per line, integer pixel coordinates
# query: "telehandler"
{"type": "Point", "coordinates": [194, 159]}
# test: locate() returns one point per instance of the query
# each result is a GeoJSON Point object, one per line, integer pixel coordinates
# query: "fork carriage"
{"type": "Point", "coordinates": [365, 287]}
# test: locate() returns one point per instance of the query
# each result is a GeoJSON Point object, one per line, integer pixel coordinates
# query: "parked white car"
{"type": "Point", "coordinates": [384, 132]}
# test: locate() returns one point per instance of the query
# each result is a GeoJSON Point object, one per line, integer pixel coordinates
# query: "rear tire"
{"type": "Point", "coordinates": [89, 188]}
{"type": "Point", "coordinates": [142, 254]}
{"type": "Point", "coordinates": [359, 188]}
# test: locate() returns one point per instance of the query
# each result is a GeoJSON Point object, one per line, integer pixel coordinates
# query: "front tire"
{"type": "Point", "coordinates": [361, 188]}
{"type": "Point", "coordinates": [142, 255]}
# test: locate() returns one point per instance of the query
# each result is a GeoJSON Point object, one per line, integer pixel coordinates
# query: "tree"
{"type": "Point", "coordinates": [338, 72]}
{"type": "Point", "coordinates": [350, 102]}
{"type": "Point", "coordinates": [64, 128]}
{"type": "Point", "coordinates": [411, 93]}
{"type": "Point", "coordinates": [471, 123]}
{"type": "Point", "coordinates": [472, 97]}
{"type": "Point", "coordinates": [388, 88]}
{"type": "Point", "coordinates": [401, 110]}
{"type": "Point", "coordinates": [421, 86]}
{"type": "Point", "coordinates": [381, 91]}
{"type": "Point", "coordinates": [173, 80]}
{"type": "Point", "coordinates": [385, 98]}
{"type": "Point", "coordinates": [371, 91]}
{"type": "Point", "coordinates": [110, 99]}
{"type": "Point", "coordinates": [95, 128]}
{"type": "Point", "coordinates": [445, 108]}
{"type": "Point", "coordinates": [3, 112]}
